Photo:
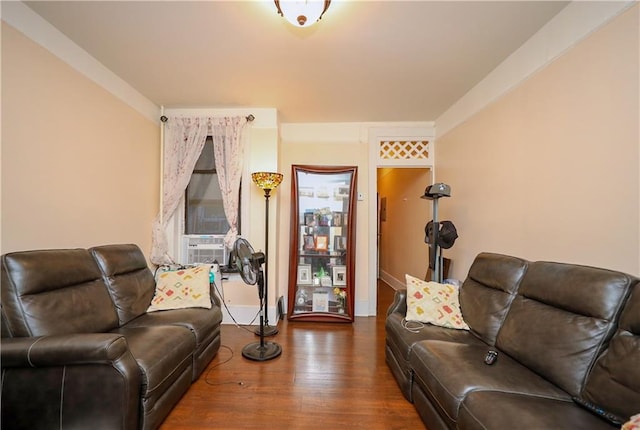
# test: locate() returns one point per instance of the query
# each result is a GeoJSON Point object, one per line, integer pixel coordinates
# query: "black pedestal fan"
{"type": "Point", "coordinates": [249, 264]}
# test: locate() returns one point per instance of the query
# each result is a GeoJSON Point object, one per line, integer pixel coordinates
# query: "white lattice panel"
{"type": "Point", "coordinates": [400, 151]}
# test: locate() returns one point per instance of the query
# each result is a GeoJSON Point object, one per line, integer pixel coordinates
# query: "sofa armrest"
{"type": "Point", "coordinates": [399, 302]}
{"type": "Point", "coordinates": [62, 350]}
{"type": "Point", "coordinates": [215, 299]}
{"type": "Point", "coordinates": [70, 381]}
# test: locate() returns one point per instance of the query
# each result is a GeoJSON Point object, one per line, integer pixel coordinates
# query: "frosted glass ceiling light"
{"type": "Point", "coordinates": [302, 13]}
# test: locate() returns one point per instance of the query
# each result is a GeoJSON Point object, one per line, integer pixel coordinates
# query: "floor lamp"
{"type": "Point", "coordinates": [267, 181]}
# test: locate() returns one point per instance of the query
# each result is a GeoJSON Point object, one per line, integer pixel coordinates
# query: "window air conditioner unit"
{"type": "Point", "coordinates": [204, 249]}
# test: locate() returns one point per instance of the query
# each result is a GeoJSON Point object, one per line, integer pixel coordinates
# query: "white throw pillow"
{"type": "Point", "coordinates": [434, 303]}
{"type": "Point", "coordinates": [179, 289]}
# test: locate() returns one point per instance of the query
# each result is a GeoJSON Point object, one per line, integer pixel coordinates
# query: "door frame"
{"type": "Point", "coordinates": [378, 158]}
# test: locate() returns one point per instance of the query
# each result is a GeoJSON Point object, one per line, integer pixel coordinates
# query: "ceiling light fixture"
{"type": "Point", "coordinates": [302, 13]}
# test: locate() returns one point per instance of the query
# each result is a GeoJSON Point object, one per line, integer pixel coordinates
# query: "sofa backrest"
{"type": "Point", "coordinates": [128, 278]}
{"type": "Point", "coordinates": [487, 293]}
{"type": "Point", "coordinates": [562, 318]}
{"type": "Point", "coordinates": [52, 292]}
{"type": "Point", "coordinates": [614, 382]}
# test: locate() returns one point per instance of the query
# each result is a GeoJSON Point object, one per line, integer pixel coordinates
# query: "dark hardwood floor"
{"type": "Point", "coordinates": [329, 376]}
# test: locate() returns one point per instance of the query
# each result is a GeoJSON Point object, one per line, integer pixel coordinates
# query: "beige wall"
{"type": "Point", "coordinates": [531, 174]}
{"type": "Point", "coordinates": [242, 299]}
{"type": "Point", "coordinates": [79, 166]}
{"type": "Point", "coordinates": [325, 154]}
{"type": "Point", "coordinates": [550, 171]}
{"type": "Point", "coordinates": [401, 243]}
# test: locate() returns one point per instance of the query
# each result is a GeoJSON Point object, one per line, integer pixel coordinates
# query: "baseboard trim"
{"type": "Point", "coordinates": [247, 315]}
{"type": "Point", "coordinates": [393, 282]}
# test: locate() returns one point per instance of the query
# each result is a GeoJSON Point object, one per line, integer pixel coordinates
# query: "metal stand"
{"type": "Point", "coordinates": [261, 351]}
{"type": "Point", "coordinates": [435, 257]}
{"type": "Point", "coordinates": [267, 330]}
{"type": "Point", "coordinates": [435, 192]}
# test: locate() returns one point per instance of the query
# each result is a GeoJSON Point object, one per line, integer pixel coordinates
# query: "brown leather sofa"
{"type": "Point", "coordinates": [565, 335]}
{"type": "Point", "coordinates": [79, 350]}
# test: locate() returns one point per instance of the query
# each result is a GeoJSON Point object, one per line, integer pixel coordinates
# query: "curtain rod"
{"type": "Point", "coordinates": [249, 117]}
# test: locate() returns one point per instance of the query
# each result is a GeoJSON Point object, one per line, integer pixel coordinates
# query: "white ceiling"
{"type": "Point", "coordinates": [365, 61]}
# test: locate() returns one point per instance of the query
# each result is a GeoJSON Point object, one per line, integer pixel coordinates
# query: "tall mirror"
{"type": "Point", "coordinates": [322, 251]}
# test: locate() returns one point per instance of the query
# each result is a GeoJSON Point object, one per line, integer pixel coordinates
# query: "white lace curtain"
{"type": "Point", "coordinates": [228, 150]}
{"type": "Point", "coordinates": [184, 140]}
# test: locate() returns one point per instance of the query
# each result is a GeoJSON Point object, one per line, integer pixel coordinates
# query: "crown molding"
{"type": "Point", "coordinates": [349, 132]}
{"type": "Point", "coordinates": [571, 25]}
{"type": "Point", "coordinates": [32, 25]}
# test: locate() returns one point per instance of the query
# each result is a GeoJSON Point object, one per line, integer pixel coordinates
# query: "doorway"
{"type": "Point", "coordinates": [394, 149]}
{"type": "Point", "coordinates": [401, 217]}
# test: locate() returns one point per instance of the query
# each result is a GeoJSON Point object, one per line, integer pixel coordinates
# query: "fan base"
{"type": "Point", "coordinates": [268, 330]}
{"type": "Point", "coordinates": [261, 352]}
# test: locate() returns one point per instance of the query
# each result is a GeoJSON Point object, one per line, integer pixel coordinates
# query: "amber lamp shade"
{"type": "Point", "coordinates": [267, 180]}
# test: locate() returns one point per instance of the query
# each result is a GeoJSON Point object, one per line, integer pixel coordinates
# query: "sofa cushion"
{"type": "Point", "coordinates": [447, 372]}
{"type": "Point", "coordinates": [128, 278]}
{"type": "Point", "coordinates": [401, 335]}
{"type": "Point", "coordinates": [483, 410]}
{"type": "Point", "coordinates": [614, 382]}
{"type": "Point", "coordinates": [180, 289]}
{"type": "Point", "coordinates": [54, 291]}
{"type": "Point", "coordinates": [163, 354]}
{"type": "Point", "coordinates": [487, 293]}
{"type": "Point", "coordinates": [433, 303]}
{"type": "Point", "coordinates": [561, 318]}
{"type": "Point", "coordinates": [203, 323]}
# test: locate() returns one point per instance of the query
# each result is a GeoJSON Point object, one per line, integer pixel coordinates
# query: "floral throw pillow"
{"type": "Point", "coordinates": [434, 303]}
{"type": "Point", "coordinates": [179, 289]}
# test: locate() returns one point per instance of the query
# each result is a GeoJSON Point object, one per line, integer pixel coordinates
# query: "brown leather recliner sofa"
{"type": "Point", "coordinates": [565, 335]}
{"type": "Point", "coordinates": [79, 350]}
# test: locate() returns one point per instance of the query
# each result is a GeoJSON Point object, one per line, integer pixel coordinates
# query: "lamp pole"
{"type": "Point", "coordinates": [267, 181]}
{"type": "Point", "coordinates": [267, 330]}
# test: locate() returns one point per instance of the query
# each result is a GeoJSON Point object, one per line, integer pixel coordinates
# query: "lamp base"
{"type": "Point", "coordinates": [268, 330]}
{"type": "Point", "coordinates": [259, 351]}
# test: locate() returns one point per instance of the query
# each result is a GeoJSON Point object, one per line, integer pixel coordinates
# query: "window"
{"type": "Point", "coordinates": [204, 210]}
